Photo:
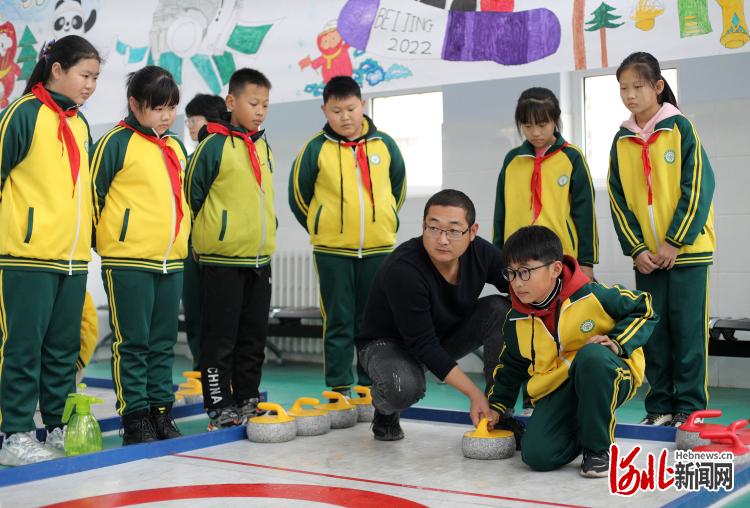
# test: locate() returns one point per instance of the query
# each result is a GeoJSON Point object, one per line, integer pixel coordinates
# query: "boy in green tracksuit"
{"type": "Point", "coordinates": [579, 344]}
{"type": "Point", "coordinates": [230, 187]}
{"type": "Point", "coordinates": [346, 187]}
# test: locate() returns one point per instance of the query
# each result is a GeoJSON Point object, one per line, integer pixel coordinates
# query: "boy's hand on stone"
{"type": "Point", "coordinates": [666, 256]}
{"type": "Point", "coordinates": [492, 418]}
{"type": "Point", "coordinates": [604, 341]}
{"type": "Point", "coordinates": [645, 263]}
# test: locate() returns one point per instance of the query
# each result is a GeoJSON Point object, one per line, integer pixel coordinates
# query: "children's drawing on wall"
{"type": "Point", "coordinates": [334, 54]}
{"type": "Point", "coordinates": [472, 5]}
{"type": "Point", "coordinates": [734, 32]}
{"type": "Point", "coordinates": [693, 15]}
{"type": "Point", "coordinates": [9, 69]}
{"type": "Point", "coordinates": [420, 31]}
{"type": "Point", "coordinates": [644, 13]}
{"type": "Point", "coordinates": [602, 19]}
{"type": "Point", "coordinates": [69, 18]}
{"type": "Point", "coordinates": [28, 55]}
{"type": "Point", "coordinates": [334, 60]}
{"type": "Point", "coordinates": [579, 41]}
{"type": "Point", "coordinates": [32, 3]}
{"type": "Point", "coordinates": [202, 32]}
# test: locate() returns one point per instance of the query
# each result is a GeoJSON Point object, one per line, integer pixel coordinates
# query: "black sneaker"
{"type": "Point", "coordinates": [164, 424]}
{"type": "Point", "coordinates": [657, 419]}
{"type": "Point", "coordinates": [247, 409]}
{"type": "Point", "coordinates": [386, 427]}
{"type": "Point", "coordinates": [223, 418]}
{"type": "Point", "coordinates": [595, 464]}
{"type": "Point", "coordinates": [137, 428]}
{"type": "Point", "coordinates": [678, 419]}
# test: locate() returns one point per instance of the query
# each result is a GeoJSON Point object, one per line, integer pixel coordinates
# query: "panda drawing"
{"type": "Point", "coordinates": [69, 17]}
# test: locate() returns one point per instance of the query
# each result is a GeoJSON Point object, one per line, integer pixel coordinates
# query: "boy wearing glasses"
{"type": "Point", "coordinates": [346, 187]}
{"type": "Point", "coordinates": [579, 344]}
{"type": "Point", "coordinates": [424, 310]}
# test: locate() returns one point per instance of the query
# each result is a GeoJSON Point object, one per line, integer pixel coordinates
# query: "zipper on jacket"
{"type": "Point", "coordinates": [78, 228]}
{"type": "Point", "coordinates": [262, 226]}
{"type": "Point", "coordinates": [361, 206]}
{"type": "Point", "coordinates": [174, 216]}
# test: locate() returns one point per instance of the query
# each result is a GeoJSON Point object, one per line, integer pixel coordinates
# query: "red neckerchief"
{"type": "Point", "coordinates": [364, 166]}
{"type": "Point", "coordinates": [64, 132]}
{"type": "Point", "coordinates": [536, 182]}
{"type": "Point", "coordinates": [217, 128]}
{"type": "Point", "coordinates": [646, 160]}
{"type": "Point", "coordinates": [173, 169]}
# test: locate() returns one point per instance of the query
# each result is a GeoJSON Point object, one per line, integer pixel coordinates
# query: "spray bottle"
{"type": "Point", "coordinates": [82, 434]}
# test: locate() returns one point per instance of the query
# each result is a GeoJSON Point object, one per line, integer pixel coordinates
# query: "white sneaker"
{"type": "Point", "coordinates": [657, 419]}
{"type": "Point", "coordinates": [56, 442]}
{"type": "Point", "coordinates": [22, 448]}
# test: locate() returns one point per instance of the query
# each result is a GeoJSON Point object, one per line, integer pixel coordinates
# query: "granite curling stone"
{"type": "Point", "coordinates": [363, 403]}
{"type": "Point", "coordinates": [687, 435]}
{"type": "Point", "coordinates": [310, 422]}
{"type": "Point", "coordinates": [271, 428]}
{"type": "Point", "coordinates": [487, 444]}
{"type": "Point", "coordinates": [343, 414]}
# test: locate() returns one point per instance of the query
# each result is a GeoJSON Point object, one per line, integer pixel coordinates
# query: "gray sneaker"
{"type": "Point", "coordinates": [223, 418]}
{"type": "Point", "coordinates": [56, 441]}
{"type": "Point", "coordinates": [22, 448]}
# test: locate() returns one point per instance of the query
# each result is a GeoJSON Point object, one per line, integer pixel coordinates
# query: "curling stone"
{"type": "Point", "coordinates": [363, 403]}
{"type": "Point", "coordinates": [688, 437]}
{"type": "Point", "coordinates": [487, 444]}
{"type": "Point", "coordinates": [727, 440]}
{"type": "Point", "coordinates": [190, 391]}
{"type": "Point", "coordinates": [310, 422]}
{"type": "Point", "coordinates": [343, 414]}
{"type": "Point", "coordinates": [271, 428]}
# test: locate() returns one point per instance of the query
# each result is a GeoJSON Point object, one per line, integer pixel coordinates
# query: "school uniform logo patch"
{"type": "Point", "coordinates": [587, 325]}
{"type": "Point", "coordinates": [669, 156]}
{"type": "Point", "coordinates": [375, 159]}
{"type": "Point", "coordinates": [563, 180]}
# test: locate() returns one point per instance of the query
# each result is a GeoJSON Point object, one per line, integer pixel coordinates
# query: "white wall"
{"type": "Point", "coordinates": [478, 130]}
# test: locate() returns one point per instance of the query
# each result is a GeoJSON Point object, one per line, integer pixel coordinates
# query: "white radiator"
{"type": "Point", "coordinates": [295, 284]}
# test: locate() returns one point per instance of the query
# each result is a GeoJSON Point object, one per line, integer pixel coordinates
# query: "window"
{"type": "Point", "coordinates": [415, 122]}
{"type": "Point", "coordinates": [603, 114]}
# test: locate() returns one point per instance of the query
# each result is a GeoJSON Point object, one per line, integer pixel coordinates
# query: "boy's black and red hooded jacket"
{"type": "Point", "coordinates": [541, 343]}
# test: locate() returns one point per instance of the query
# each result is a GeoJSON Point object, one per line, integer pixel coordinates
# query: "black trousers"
{"type": "Point", "coordinates": [235, 304]}
{"type": "Point", "coordinates": [398, 379]}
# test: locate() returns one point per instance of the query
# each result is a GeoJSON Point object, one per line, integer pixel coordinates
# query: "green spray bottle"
{"type": "Point", "coordinates": [83, 434]}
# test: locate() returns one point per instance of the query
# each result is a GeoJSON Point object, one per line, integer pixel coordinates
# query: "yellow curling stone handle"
{"type": "Point", "coordinates": [341, 402]}
{"type": "Point", "coordinates": [366, 398]}
{"type": "Point", "coordinates": [484, 433]}
{"type": "Point", "coordinates": [280, 417]}
{"type": "Point", "coordinates": [298, 410]}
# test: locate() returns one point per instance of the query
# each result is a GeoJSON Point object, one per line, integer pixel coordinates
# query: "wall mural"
{"type": "Point", "coordinates": [386, 45]}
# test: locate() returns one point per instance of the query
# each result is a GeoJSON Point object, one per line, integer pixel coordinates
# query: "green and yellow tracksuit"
{"type": "Point", "coordinates": [347, 194]}
{"type": "Point", "coordinates": [560, 196]}
{"type": "Point", "coordinates": [45, 248]}
{"type": "Point", "coordinates": [234, 221]}
{"type": "Point", "coordinates": [673, 205]}
{"type": "Point", "coordinates": [142, 241]}
{"type": "Point", "coordinates": [575, 386]}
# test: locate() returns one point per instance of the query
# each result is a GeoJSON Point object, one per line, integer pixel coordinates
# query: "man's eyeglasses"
{"type": "Point", "coordinates": [524, 274]}
{"type": "Point", "coordinates": [452, 234]}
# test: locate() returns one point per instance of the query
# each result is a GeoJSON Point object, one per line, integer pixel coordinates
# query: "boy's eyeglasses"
{"type": "Point", "coordinates": [524, 274]}
{"type": "Point", "coordinates": [452, 234]}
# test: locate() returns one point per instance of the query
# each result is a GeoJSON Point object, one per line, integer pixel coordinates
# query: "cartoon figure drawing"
{"type": "Point", "coordinates": [69, 17]}
{"type": "Point", "coordinates": [9, 70]}
{"type": "Point", "coordinates": [334, 54]}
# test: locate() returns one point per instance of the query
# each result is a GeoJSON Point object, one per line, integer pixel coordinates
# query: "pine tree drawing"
{"type": "Point", "coordinates": [601, 20]}
{"type": "Point", "coordinates": [27, 56]}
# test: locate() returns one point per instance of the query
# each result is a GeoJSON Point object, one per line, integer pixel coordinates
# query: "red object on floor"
{"type": "Point", "coordinates": [691, 425]}
{"type": "Point", "coordinates": [725, 440]}
{"type": "Point", "coordinates": [497, 5]}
